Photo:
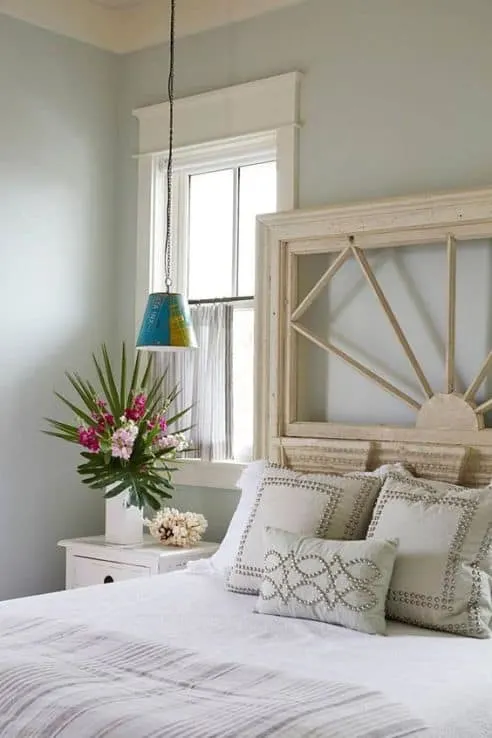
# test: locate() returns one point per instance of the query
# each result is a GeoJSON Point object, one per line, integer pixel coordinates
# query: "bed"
{"type": "Point", "coordinates": [435, 681]}
{"type": "Point", "coordinates": [180, 655]}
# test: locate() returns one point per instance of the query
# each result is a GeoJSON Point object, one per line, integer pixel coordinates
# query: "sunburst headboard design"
{"type": "Point", "coordinates": [449, 440]}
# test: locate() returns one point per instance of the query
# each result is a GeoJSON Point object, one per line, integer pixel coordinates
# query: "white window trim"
{"type": "Point", "coordinates": [260, 113]}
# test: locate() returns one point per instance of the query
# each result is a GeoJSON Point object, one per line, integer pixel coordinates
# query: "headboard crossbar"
{"type": "Point", "coordinates": [449, 440]}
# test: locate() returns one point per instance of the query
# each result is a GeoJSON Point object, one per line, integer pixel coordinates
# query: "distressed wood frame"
{"type": "Point", "coordinates": [449, 440]}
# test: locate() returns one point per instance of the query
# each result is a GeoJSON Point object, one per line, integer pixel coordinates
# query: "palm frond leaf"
{"type": "Point", "coordinates": [134, 380]}
{"type": "Point", "coordinates": [112, 401]}
{"type": "Point", "coordinates": [148, 369]}
{"type": "Point", "coordinates": [123, 376]}
{"type": "Point", "coordinates": [147, 474]}
{"type": "Point", "coordinates": [76, 410]}
{"type": "Point", "coordinates": [175, 418]}
{"type": "Point", "coordinates": [111, 381]}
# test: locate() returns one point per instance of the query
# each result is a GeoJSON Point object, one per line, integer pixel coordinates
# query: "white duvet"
{"type": "Point", "coordinates": [443, 680]}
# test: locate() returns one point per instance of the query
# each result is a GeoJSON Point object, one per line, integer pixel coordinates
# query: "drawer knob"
{"type": "Point", "coordinates": [108, 580]}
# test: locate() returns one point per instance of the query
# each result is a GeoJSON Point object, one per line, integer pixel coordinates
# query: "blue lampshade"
{"type": "Point", "coordinates": [167, 325]}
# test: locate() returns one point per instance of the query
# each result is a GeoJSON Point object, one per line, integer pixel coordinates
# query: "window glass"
{"type": "Point", "coordinates": [211, 229]}
{"type": "Point", "coordinates": [221, 209]}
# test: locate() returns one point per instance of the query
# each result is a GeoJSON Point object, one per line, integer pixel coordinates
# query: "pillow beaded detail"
{"type": "Point", "coordinates": [443, 571]}
{"type": "Point", "coordinates": [322, 505]}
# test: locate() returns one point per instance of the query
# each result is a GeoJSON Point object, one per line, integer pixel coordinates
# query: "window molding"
{"type": "Point", "coordinates": [265, 113]}
{"type": "Point", "coordinates": [269, 104]}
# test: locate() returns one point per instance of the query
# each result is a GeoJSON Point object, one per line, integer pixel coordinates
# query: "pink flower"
{"type": "Point", "coordinates": [88, 438]}
{"type": "Point", "coordinates": [159, 420]}
{"type": "Point", "coordinates": [103, 421]}
{"type": "Point", "coordinates": [176, 442]}
{"type": "Point", "coordinates": [123, 440]}
{"type": "Point", "coordinates": [164, 441]}
{"type": "Point", "coordinates": [137, 410]}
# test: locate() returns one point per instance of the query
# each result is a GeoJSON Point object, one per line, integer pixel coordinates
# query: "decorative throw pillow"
{"type": "Point", "coordinates": [327, 506]}
{"type": "Point", "coordinates": [443, 569]}
{"type": "Point", "coordinates": [339, 582]}
{"type": "Point", "coordinates": [248, 483]}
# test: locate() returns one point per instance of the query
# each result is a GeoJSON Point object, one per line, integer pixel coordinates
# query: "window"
{"type": "Point", "coordinates": [248, 127]}
{"type": "Point", "coordinates": [216, 233]}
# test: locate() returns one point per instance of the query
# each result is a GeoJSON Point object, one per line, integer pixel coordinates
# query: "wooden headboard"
{"type": "Point", "coordinates": [449, 440]}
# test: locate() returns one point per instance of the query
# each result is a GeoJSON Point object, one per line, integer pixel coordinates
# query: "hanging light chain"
{"type": "Point", "coordinates": [170, 91]}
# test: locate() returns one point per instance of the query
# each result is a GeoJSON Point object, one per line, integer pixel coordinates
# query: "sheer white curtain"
{"type": "Point", "coordinates": [204, 376]}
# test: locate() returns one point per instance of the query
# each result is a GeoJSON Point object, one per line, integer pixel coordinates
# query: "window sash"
{"type": "Point", "coordinates": [185, 169]}
{"type": "Point", "coordinates": [249, 150]}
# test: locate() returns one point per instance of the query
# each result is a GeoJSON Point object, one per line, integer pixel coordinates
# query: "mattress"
{"type": "Point", "coordinates": [443, 680]}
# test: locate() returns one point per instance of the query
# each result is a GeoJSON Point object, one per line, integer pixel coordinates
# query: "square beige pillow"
{"type": "Point", "coordinates": [339, 582]}
{"type": "Point", "coordinates": [443, 569]}
{"type": "Point", "coordinates": [323, 505]}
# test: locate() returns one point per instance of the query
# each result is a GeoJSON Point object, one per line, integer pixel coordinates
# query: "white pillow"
{"type": "Point", "coordinates": [443, 568]}
{"type": "Point", "coordinates": [249, 482]}
{"type": "Point", "coordinates": [339, 582]}
{"type": "Point", "coordinates": [322, 505]}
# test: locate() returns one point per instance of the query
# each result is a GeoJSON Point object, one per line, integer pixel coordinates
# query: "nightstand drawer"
{"type": "Point", "coordinates": [87, 572]}
{"type": "Point", "coordinates": [92, 560]}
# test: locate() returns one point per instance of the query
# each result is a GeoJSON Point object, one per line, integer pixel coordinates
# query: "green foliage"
{"type": "Point", "coordinates": [147, 473]}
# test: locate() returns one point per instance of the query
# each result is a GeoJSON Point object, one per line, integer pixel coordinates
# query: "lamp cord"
{"type": "Point", "coordinates": [170, 91]}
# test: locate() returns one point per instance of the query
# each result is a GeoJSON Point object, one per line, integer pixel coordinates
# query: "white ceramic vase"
{"type": "Point", "coordinates": [124, 524]}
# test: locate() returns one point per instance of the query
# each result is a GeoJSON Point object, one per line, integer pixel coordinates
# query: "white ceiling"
{"type": "Point", "coordinates": [127, 25]}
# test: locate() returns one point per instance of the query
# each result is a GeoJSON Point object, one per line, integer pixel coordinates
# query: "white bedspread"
{"type": "Point", "coordinates": [444, 681]}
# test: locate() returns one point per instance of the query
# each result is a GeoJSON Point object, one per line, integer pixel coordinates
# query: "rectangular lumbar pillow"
{"type": "Point", "coordinates": [323, 505]}
{"type": "Point", "coordinates": [339, 582]}
{"type": "Point", "coordinates": [443, 569]}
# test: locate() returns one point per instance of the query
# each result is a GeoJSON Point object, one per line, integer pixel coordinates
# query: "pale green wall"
{"type": "Point", "coordinates": [396, 99]}
{"type": "Point", "coordinates": [57, 287]}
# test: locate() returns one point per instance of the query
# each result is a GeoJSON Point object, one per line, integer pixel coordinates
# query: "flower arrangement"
{"type": "Point", "coordinates": [123, 430]}
{"type": "Point", "coordinates": [174, 528]}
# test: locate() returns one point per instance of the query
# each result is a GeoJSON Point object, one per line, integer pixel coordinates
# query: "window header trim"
{"type": "Point", "coordinates": [262, 105]}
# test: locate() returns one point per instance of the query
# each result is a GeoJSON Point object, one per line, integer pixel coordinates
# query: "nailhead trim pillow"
{"type": "Point", "coordinates": [327, 506]}
{"type": "Point", "coordinates": [339, 582]}
{"type": "Point", "coordinates": [443, 570]}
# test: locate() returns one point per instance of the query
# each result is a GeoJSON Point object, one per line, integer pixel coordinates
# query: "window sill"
{"type": "Point", "coordinates": [218, 474]}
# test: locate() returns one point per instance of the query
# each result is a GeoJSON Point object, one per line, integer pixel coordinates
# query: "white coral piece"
{"type": "Point", "coordinates": [175, 528]}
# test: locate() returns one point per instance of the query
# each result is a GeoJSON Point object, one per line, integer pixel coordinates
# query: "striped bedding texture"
{"type": "Point", "coordinates": [60, 680]}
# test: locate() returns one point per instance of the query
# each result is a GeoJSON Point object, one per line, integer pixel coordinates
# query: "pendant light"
{"type": "Point", "coordinates": [166, 324]}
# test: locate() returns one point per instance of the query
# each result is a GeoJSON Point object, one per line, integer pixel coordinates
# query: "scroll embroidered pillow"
{"type": "Point", "coordinates": [443, 570]}
{"type": "Point", "coordinates": [328, 506]}
{"type": "Point", "coordinates": [339, 582]}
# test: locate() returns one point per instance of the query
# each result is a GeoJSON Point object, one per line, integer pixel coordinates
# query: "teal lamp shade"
{"type": "Point", "coordinates": [167, 325]}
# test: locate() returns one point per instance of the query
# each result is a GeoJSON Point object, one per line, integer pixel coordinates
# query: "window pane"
{"type": "Point", "coordinates": [211, 223]}
{"type": "Point", "coordinates": [257, 195]}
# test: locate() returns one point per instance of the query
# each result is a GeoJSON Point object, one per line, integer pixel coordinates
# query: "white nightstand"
{"type": "Point", "coordinates": [93, 561]}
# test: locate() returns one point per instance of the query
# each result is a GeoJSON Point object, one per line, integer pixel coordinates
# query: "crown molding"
{"type": "Point", "coordinates": [79, 19]}
{"type": "Point", "coordinates": [133, 27]}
